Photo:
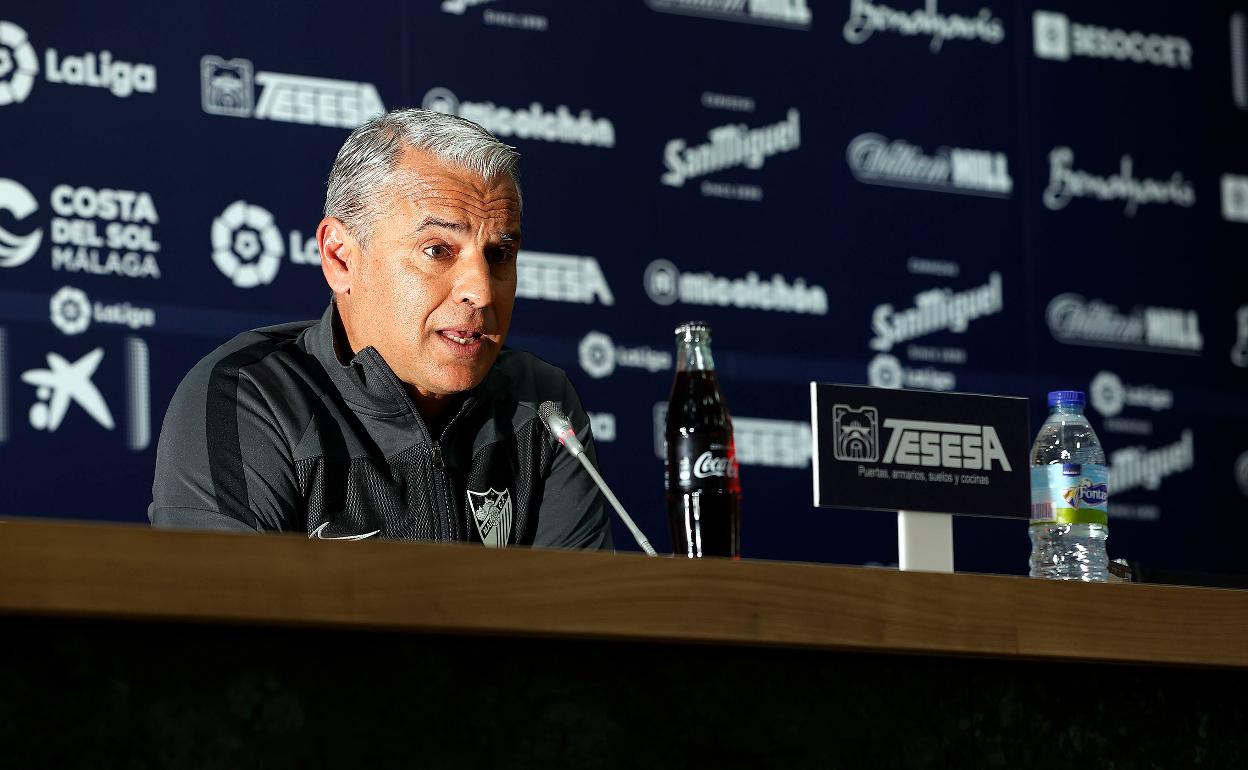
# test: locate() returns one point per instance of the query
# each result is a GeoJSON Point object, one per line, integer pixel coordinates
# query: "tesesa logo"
{"type": "Point", "coordinates": [914, 442]}
{"type": "Point", "coordinates": [227, 87]}
{"type": "Point", "coordinates": [857, 433]}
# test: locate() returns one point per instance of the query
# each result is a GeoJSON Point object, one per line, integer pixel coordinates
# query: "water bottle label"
{"type": "Point", "coordinates": [1070, 493]}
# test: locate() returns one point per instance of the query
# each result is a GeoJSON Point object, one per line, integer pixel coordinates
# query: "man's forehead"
{"type": "Point", "coordinates": [420, 174]}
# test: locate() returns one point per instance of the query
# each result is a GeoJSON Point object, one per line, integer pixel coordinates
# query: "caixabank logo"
{"type": "Point", "coordinates": [19, 69]}
{"type": "Point", "coordinates": [107, 231]}
{"type": "Point", "coordinates": [69, 389]}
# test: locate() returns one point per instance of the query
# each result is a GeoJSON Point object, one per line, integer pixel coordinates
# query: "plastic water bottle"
{"type": "Point", "coordinates": [1069, 495]}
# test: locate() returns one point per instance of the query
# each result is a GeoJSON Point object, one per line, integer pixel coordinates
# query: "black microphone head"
{"type": "Point", "coordinates": [559, 426]}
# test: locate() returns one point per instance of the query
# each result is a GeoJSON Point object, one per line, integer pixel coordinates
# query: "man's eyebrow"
{"type": "Point", "coordinates": [428, 222]}
{"type": "Point", "coordinates": [510, 236]}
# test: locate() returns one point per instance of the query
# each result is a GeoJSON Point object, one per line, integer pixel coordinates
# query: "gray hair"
{"type": "Point", "coordinates": [365, 164]}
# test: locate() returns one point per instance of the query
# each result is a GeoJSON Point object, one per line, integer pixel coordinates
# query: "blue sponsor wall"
{"type": "Point", "coordinates": [976, 196]}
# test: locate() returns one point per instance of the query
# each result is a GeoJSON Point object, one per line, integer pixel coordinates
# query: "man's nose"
{"type": "Point", "coordinates": [473, 281]}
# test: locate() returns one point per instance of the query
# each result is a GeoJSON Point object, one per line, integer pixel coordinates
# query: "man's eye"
{"type": "Point", "coordinates": [437, 251]}
{"type": "Point", "coordinates": [500, 256]}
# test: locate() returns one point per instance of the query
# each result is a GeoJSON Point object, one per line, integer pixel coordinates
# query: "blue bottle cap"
{"type": "Point", "coordinates": [1067, 398]}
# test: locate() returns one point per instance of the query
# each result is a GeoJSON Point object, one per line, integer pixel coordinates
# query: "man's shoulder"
{"type": "Point", "coordinates": [263, 355]}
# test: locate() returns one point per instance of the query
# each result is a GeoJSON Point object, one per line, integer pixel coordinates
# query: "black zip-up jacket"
{"type": "Point", "coordinates": [274, 432]}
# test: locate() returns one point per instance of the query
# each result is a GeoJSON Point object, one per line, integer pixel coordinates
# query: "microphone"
{"type": "Point", "coordinates": [561, 428]}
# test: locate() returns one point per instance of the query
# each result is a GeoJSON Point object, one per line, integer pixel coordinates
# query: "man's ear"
{"type": "Point", "coordinates": [338, 253]}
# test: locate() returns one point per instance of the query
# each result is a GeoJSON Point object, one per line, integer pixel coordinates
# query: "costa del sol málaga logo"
{"type": "Point", "coordinates": [246, 245]}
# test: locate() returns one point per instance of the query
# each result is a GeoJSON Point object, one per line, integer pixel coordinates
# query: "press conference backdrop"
{"type": "Point", "coordinates": [984, 196]}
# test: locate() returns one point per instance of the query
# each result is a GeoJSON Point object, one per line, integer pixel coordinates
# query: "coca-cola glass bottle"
{"type": "Point", "coordinates": [702, 483]}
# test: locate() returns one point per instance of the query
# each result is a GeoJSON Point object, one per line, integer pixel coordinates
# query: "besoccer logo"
{"type": "Point", "coordinates": [18, 64]}
{"type": "Point", "coordinates": [16, 250]}
{"type": "Point", "coordinates": [857, 433]}
{"type": "Point", "coordinates": [246, 245]}
{"type": "Point", "coordinates": [70, 310]}
{"type": "Point", "coordinates": [1051, 35]}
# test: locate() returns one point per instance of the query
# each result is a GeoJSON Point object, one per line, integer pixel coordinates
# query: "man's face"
{"type": "Point", "coordinates": [433, 292]}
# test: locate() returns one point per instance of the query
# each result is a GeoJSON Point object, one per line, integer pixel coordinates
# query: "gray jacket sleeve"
{"type": "Point", "coordinates": [573, 511]}
{"type": "Point", "coordinates": [222, 461]}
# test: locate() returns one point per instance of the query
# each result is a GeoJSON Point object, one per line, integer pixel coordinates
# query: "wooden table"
{"type": "Point", "coordinates": [915, 659]}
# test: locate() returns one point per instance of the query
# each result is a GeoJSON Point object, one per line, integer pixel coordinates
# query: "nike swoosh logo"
{"type": "Point", "coordinates": [317, 534]}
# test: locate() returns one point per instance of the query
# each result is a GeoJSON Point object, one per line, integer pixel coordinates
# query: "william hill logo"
{"type": "Point", "coordinates": [955, 446]}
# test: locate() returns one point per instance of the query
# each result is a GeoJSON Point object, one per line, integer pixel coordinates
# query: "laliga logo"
{"type": "Point", "coordinates": [70, 310]}
{"type": "Point", "coordinates": [246, 245]}
{"type": "Point", "coordinates": [597, 355]}
{"type": "Point", "coordinates": [18, 64]}
{"type": "Point", "coordinates": [16, 250]}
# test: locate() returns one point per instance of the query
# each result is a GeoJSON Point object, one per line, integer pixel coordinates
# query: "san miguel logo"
{"type": "Point", "coordinates": [492, 512]}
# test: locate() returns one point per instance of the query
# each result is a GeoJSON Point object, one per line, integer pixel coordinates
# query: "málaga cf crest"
{"type": "Point", "coordinates": [492, 512]}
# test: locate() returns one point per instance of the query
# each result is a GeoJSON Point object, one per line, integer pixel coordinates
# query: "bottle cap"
{"type": "Point", "coordinates": [691, 331]}
{"type": "Point", "coordinates": [1067, 398]}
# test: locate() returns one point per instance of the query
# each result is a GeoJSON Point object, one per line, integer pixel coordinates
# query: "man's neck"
{"type": "Point", "coordinates": [436, 410]}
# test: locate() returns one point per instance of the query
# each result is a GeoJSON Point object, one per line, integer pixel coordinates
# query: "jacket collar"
{"type": "Point", "coordinates": [366, 381]}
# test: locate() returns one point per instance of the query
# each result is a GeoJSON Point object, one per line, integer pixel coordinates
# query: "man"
{"type": "Point", "coordinates": [398, 414]}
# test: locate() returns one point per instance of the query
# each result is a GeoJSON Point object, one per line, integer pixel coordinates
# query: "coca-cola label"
{"type": "Point", "coordinates": [708, 465]}
{"type": "Point", "coordinates": [704, 464]}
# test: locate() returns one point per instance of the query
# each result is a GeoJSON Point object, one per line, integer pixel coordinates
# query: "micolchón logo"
{"type": "Point", "coordinates": [532, 122]}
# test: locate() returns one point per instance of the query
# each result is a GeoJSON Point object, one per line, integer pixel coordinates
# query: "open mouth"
{"type": "Point", "coordinates": [460, 336]}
